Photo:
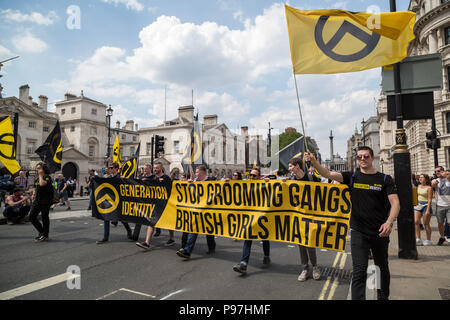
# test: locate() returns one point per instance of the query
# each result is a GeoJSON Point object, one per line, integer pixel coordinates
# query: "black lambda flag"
{"type": "Point", "coordinates": [193, 154]}
{"type": "Point", "coordinates": [129, 167]}
{"type": "Point", "coordinates": [7, 152]}
{"type": "Point", "coordinates": [51, 151]}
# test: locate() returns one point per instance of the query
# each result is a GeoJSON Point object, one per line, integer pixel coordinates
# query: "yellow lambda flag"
{"type": "Point", "coordinates": [335, 41]}
{"type": "Point", "coordinates": [116, 152]}
{"type": "Point", "coordinates": [7, 152]}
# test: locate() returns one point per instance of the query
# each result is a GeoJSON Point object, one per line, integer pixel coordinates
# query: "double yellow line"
{"type": "Point", "coordinates": [339, 256]}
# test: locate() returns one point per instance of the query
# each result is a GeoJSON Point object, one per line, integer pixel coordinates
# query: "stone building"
{"type": "Point", "coordinates": [352, 144]}
{"type": "Point", "coordinates": [432, 32]}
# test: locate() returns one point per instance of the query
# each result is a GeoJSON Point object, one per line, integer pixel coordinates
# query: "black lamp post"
{"type": "Point", "coordinates": [109, 113]}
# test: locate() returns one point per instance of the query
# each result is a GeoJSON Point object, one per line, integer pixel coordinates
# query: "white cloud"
{"type": "Point", "coordinates": [27, 42]}
{"type": "Point", "coordinates": [5, 53]}
{"type": "Point", "coordinates": [34, 17]}
{"type": "Point", "coordinates": [130, 4]}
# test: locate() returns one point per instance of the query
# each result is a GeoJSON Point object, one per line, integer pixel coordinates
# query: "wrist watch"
{"type": "Point", "coordinates": [391, 224]}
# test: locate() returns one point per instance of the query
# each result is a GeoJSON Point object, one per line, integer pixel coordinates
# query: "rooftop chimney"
{"type": "Point", "coordinates": [43, 102]}
{"type": "Point", "coordinates": [187, 113]}
{"type": "Point", "coordinates": [129, 125]}
{"type": "Point", "coordinates": [69, 96]}
{"type": "Point", "coordinates": [136, 126]}
{"type": "Point", "coordinates": [117, 124]}
{"type": "Point", "coordinates": [30, 100]}
{"type": "Point", "coordinates": [24, 93]}
{"type": "Point", "coordinates": [244, 131]}
{"type": "Point", "coordinates": [210, 119]}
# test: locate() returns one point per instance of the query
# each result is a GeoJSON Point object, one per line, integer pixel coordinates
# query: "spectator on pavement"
{"type": "Point", "coordinates": [63, 195]}
{"type": "Point", "coordinates": [442, 188]}
{"type": "Point", "coordinates": [423, 209]}
{"type": "Point", "coordinates": [17, 207]}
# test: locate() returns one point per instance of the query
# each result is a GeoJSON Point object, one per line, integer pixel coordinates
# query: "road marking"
{"type": "Point", "coordinates": [327, 283]}
{"type": "Point", "coordinates": [7, 295]}
{"type": "Point", "coordinates": [172, 294]}
{"type": "Point", "coordinates": [336, 280]}
{"type": "Point", "coordinates": [127, 290]}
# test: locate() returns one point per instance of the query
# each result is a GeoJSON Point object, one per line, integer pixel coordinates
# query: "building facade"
{"type": "Point", "coordinates": [432, 32]}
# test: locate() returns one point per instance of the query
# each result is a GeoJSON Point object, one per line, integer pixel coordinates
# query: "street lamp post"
{"type": "Point", "coordinates": [109, 113]}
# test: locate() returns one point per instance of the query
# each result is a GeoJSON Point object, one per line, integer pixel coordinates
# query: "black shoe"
{"type": "Point", "coordinates": [182, 253]}
{"type": "Point", "coordinates": [39, 235]}
{"type": "Point", "coordinates": [144, 245]}
{"type": "Point", "coordinates": [102, 241]}
{"type": "Point", "coordinates": [89, 208]}
{"type": "Point", "coordinates": [441, 241]}
{"type": "Point", "coordinates": [266, 260]}
{"type": "Point", "coordinates": [169, 242]}
{"type": "Point", "coordinates": [114, 223]}
{"type": "Point", "coordinates": [241, 268]}
{"type": "Point", "coordinates": [68, 209]}
{"type": "Point", "coordinates": [42, 239]}
{"type": "Point", "coordinates": [157, 233]}
{"type": "Point", "coordinates": [211, 251]}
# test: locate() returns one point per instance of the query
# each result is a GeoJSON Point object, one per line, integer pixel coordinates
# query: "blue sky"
{"type": "Point", "coordinates": [233, 54]}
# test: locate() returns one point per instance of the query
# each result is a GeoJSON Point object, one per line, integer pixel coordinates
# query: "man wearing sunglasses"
{"type": "Point", "coordinates": [372, 193]}
{"type": "Point", "coordinates": [442, 187]}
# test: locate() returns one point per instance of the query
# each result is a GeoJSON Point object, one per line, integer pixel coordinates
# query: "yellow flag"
{"type": "Point", "coordinates": [116, 152]}
{"type": "Point", "coordinates": [335, 41]}
{"type": "Point", "coordinates": [7, 152]}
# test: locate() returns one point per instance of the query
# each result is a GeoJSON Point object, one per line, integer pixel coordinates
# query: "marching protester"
{"type": "Point", "coordinates": [241, 267]}
{"type": "Point", "coordinates": [90, 182]}
{"type": "Point", "coordinates": [423, 209]}
{"type": "Point", "coordinates": [114, 173]}
{"type": "Point", "coordinates": [160, 176]}
{"type": "Point", "coordinates": [145, 175]}
{"type": "Point", "coordinates": [371, 221]}
{"type": "Point", "coordinates": [186, 251]}
{"type": "Point", "coordinates": [17, 207]}
{"type": "Point", "coordinates": [42, 200]}
{"type": "Point", "coordinates": [184, 236]}
{"type": "Point", "coordinates": [442, 185]}
{"type": "Point", "coordinates": [62, 191]}
{"type": "Point", "coordinates": [306, 254]}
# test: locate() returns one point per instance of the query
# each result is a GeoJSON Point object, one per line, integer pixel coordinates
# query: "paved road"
{"type": "Point", "coordinates": [121, 270]}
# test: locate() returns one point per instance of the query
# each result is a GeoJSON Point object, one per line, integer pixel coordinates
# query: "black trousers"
{"type": "Point", "coordinates": [15, 214]}
{"type": "Point", "coordinates": [44, 210]}
{"type": "Point", "coordinates": [360, 246]}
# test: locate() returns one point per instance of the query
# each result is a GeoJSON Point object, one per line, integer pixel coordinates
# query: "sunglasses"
{"type": "Point", "coordinates": [365, 157]}
{"type": "Point", "coordinates": [438, 171]}
{"type": "Point", "coordinates": [252, 175]}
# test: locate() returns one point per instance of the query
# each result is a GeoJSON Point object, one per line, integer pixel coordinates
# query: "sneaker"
{"type": "Point", "coordinates": [51, 209]}
{"type": "Point", "coordinates": [182, 253]}
{"type": "Point", "coordinates": [39, 235]}
{"type": "Point", "coordinates": [211, 251]}
{"type": "Point", "coordinates": [419, 242]}
{"type": "Point", "coordinates": [266, 260]}
{"type": "Point", "coordinates": [102, 241]}
{"type": "Point", "coordinates": [240, 267]}
{"type": "Point", "coordinates": [303, 276]}
{"type": "Point", "coordinates": [157, 233]}
{"type": "Point", "coordinates": [114, 223]}
{"type": "Point", "coordinates": [9, 222]}
{"type": "Point", "coordinates": [316, 273]}
{"type": "Point", "coordinates": [144, 245]}
{"type": "Point", "coordinates": [89, 208]}
{"type": "Point", "coordinates": [427, 243]}
{"type": "Point", "coordinates": [42, 239]}
{"type": "Point", "coordinates": [441, 241]}
{"type": "Point", "coordinates": [170, 242]}
{"type": "Point", "coordinates": [68, 209]}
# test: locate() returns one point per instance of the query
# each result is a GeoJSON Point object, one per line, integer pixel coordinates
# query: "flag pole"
{"type": "Point", "coordinates": [301, 118]}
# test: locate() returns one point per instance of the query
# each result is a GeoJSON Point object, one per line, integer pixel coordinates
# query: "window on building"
{"type": "Point", "coordinates": [176, 147]}
{"type": "Point", "coordinates": [93, 131]}
{"type": "Point", "coordinates": [448, 77]}
{"type": "Point", "coordinates": [134, 138]}
{"type": "Point", "coordinates": [91, 151]}
{"type": "Point", "coordinates": [32, 124]}
{"type": "Point", "coordinates": [94, 112]}
{"type": "Point", "coordinates": [149, 148]}
{"type": "Point", "coordinates": [31, 146]}
{"type": "Point", "coordinates": [444, 1]}
{"type": "Point", "coordinates": [121, 151]}
{"type": "Point", "coordinates": [46, 129]}
{"type": "Point", "coordinates": [73, 110]}
{"type": "Point", "coordinates": [72, 129]}
{"type": "Point", "coordinates": [132, 150]}
{"type": "Point", "coordinates": [62, 129]}
{"type": "Point", "coordinates": [447, 35]}
{"type": "Point", "coordinates": [63, 111]}
{"type": "Point", "coordinates": [447, 121]}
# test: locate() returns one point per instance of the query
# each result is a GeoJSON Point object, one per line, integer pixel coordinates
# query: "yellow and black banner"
{"type": "Point", "coordinates": [7, 152]}
{"type": "Point", "coordinates": [307, 213]}
{"type": "Point", "coordinates": [51, 151]}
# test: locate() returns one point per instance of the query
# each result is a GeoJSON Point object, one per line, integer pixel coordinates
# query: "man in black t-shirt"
{"type": "Point", "coordinates": [375, 207]}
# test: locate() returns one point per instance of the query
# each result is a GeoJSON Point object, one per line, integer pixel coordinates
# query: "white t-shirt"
{"type": "Point", "coordinates": [443, 192]}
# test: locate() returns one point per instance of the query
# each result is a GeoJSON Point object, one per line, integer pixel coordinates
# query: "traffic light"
{"type": "Point", "coordinates": [159, 144]}
{"type": "Point", "coordinates": [432, 140]}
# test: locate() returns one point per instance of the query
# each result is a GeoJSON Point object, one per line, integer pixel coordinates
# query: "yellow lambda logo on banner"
{"type": "Point", "coordinates": [110, 197]}
{"type": "Point", "coordinates": [334, 41]}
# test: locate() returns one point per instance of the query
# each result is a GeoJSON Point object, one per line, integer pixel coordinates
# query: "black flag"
{"type": "Point", "coordinates": [193, 154]}
{"type": "Point", "coordinates": [129, 167]}
{"type": "Point", "coordinates": [51, 151]}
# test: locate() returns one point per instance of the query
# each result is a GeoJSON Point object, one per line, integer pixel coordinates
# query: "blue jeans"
{"type": "Point", "coordinates": [91, 198]}
{"type": "Point", "coordinates": [447, 229]}
{"type": "Point", "coordinates": [192, 238]}
{"type": "Point", "coordinates": [106, 228]}
{"type": "Point", "coordinates": [248, 248]}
